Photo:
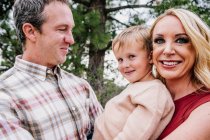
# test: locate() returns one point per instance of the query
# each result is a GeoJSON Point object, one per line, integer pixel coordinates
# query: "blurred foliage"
{"type": "Point", "coordinates": [8, 44]}
{"type": "Point", "coordinates": [8, 37]}
{"type": "Point", "coordinates": [5, 7]}
{"type": "Point", "coordinates": [109, 92]}
{"type": "Point", "coordinates": [200, 7]}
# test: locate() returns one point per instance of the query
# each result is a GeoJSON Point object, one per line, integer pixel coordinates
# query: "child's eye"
{"type": "Point", "coordinates": [182, 40]}
{"type": "Point", "coordinates": [131, 56]}
{"type": "Point", "coordinates": [119, 60]}
{"type": "Point", "coordinates": [158, 40]}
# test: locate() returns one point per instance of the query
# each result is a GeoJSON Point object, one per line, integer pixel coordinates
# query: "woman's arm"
{"type": "Point", "coordinates": [196, 127]}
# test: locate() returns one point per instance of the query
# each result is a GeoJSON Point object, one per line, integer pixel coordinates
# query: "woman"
{"type": "Point", "coordinates": [181, 54]}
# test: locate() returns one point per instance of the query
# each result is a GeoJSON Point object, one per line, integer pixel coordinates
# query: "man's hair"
{"type": "Point", "coordinates": [30, 11]}
{"type": "Point", "coordinates": [134, 33]}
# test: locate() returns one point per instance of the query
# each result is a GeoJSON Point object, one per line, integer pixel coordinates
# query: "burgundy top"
{"type": "Point", "coordinates": [183, 107]}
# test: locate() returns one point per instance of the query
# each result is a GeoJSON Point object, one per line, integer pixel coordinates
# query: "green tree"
{"type": "Point", "coordinates": [200, 7]}
{"type": "Point", "coordinates": [5, 7]}
{"type": "Point", "coordinates": [109, 92]}
{"type": "Point", "coordinates": [8, 38]}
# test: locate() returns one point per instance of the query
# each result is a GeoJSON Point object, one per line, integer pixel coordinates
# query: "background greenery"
{"type": "Point", "coordinates": [96, 25]}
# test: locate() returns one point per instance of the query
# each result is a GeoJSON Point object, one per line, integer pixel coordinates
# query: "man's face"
{"type": "Point", "coordinates": [56, 35]}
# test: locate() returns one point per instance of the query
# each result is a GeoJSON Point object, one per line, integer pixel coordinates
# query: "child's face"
{"type": "Point", "coordinates": [133, 61]}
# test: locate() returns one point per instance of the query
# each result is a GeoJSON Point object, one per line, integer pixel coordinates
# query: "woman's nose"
{"type": "Point", "coordinates": [168, 50]}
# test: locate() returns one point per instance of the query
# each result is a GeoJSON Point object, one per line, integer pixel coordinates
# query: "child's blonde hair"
{"type": "Point", "coordinates": [137, 33]}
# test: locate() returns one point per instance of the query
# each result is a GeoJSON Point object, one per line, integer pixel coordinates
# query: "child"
{"type": "Point", "coordinates": [145, 107]}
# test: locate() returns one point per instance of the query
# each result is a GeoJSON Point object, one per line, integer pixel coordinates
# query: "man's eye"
{"type": "Point", "coordinates": [182, 40]}
{"type": "Point", "coordinates": [158, 40]}
{"type": "Point", "coordinates": [62, 29]}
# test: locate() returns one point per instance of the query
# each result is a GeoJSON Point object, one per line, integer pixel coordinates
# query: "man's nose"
{"type": "Point", "coordinates": [69, 38]}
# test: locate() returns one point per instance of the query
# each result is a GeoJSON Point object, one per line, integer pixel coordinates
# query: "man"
{"type": "Point", "coordinates": [38, 100]}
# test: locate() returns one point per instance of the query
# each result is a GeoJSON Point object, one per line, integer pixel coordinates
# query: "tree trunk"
{"type": "Point", "coordinates": [96, 56]}
{"type": "Point", "coordinates": [96, 69]}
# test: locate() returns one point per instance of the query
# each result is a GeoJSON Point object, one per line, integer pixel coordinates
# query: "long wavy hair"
{"type": "Point", "coordinates": [199, 34]}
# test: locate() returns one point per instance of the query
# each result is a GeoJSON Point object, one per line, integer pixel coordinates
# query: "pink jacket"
{"type": "Point", "coordinates": [140, 112]}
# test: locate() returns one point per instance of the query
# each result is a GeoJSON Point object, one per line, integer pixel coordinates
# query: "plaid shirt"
{"type": "Point", "coordinates": [42, 104]}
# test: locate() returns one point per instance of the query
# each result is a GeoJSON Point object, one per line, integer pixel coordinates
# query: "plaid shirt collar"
{"type": "Point", "coordinates": [36, 70]}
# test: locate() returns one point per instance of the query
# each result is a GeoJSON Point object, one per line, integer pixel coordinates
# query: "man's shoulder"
{"type": "Point", "coordinates": [4, 76]}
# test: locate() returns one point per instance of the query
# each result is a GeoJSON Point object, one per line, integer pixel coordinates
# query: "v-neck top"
{"type": "Point", "coordinates": [183, 108]}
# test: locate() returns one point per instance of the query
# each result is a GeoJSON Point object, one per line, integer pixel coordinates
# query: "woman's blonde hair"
{"type": "Point", "coordinates": [137, 33]}
{"type": "Point", "coordinates": [199, 34]}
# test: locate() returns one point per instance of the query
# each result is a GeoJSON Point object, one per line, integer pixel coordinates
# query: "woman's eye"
{"type": "Point", "coordinates": [158, 40]}
{"type": "Point", "coordinates": [182, 40]}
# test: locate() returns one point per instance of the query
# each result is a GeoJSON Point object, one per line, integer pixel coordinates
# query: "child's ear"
{"type": "Point", "coordinates": [29, 31]}
{"type": "Point", "coordinates": [150, 58]}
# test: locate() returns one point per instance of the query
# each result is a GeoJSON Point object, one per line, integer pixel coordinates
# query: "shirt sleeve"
{"type": "Point", "coordinates": [10, 125]}
{"type": "Point", "coordinates": [142, 123]}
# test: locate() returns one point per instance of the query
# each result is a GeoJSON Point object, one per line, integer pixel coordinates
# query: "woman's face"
{"type": "Point", "coordinates": [173, 53]}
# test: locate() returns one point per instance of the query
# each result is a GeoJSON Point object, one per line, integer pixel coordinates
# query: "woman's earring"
{"type": "Point", "coordinates": [154, 71]}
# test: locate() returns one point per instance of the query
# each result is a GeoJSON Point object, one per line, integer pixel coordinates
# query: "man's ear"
{"type": "Point", "coordinates": [29, 31]}
{"type": "Point", "coordinates": [150, 58]}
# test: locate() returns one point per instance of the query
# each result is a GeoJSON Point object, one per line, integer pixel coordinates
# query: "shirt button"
{"type": "Point", "coordinates": [48, 71]}
{"type": "Point", "coordinates": [73, 108]}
